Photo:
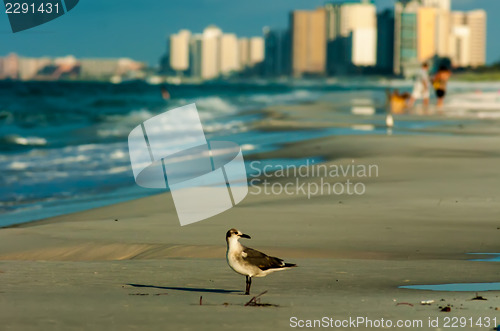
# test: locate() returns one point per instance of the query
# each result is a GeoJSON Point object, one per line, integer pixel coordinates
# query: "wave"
{"type": "Point", "coordinates": [215, 105]}
{"type": "Point", "coordinates": [280, 98]}
{"type": "Point", "coordinates": [119, 126]}
{"type": "Point", "coordinates": [14, 139]}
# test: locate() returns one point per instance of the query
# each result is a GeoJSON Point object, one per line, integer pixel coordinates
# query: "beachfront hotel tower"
{"type": "Point", "coordinates": [460, 41]}
{"type": "Point", "coordinates": [195, 55]}
{"type": "Point", "coordinates": [468, 38]}
{"type": "Point", "coordinates": [406, 61]}
{"type": "Point", "coordinates": [256, 51]}
{"type": "Point", "coordinates": [385, 41]}
{"type": "Point", "coordinates": [308, 36]}
{"type": "Point", "coordinates": [277, 53]}
{"type": "Point", "coordinates": [426, 32]}
{"type": "Point", "coordinates": [229, 61]}
{"type": "Point", "coordinates": [179, 50]}
{"type": "Point", "coordinates": [210, 58]}
{"type": "Point", "coordinates": [351, 35]}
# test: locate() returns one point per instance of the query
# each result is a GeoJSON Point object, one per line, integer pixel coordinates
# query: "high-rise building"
{"type": "Point", "coordinates": [195, 55]}
{"type": "Point", "coordinates": [476, 21]}
{"type": "Point", "coordinates": [244, 52]}
{"type": "Point", "coordinates": [308, 33]}
{"type": "Point", "coordinates": [460, 42]}
{"type": "Point", "coordinates": [364, 47]}
{"type": "Point", "coordinates": [179, 50]}
{"type": "Point", "coordinates": [385, 41]}
{"type": "Point", "coordinates": [426, 33]}
{"type": "Point", "coordinates": [277, 53]}
{"type": "Point", "coordinates": [210, 62]}
{"type": "Point", "coordinates": [256, 53]}
{"type": "Point", "coordinates": [351, 35]}
{"type": "Point", "coordinates": [434, 29]}
{"type": "Point", "coordinates": [406, 61]}
{"type": "Point", "coordinates": [229, 62]}
{"type": "Point", "coordinates": [443, 30]}
{"type": "Point", "coordinates": [468, 38]}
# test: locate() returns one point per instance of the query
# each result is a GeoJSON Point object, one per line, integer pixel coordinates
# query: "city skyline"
{"type": "Point", "coordinates": [117, 31]}
{"type": "Point", "coordinates": [341, 38]}
{"type": "Point", "coordinates": [211, 54]}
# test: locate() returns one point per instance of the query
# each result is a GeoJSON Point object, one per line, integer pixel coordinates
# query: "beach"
{"type": "Point", "coordinates": [433, 200]}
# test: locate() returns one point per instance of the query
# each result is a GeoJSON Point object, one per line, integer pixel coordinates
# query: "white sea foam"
{"type": "Point", "coordinates": [232, 126]}
{"type": "Point", "coordinates": [16, 165]}
{"type": "Point", "coordinates": [293, 96]}
{"type": "Point", "coordinates": [248, 147]}
{"type": "Point", "coordinates": [478, 104]}
{"type": "Point", "coordinates": [118, 154]}
{"type": "Point", "coordinates": [120, 169]}
{"type": "Point", "coordinates": [215, 104]}
{"type": "Point", "coordinates": [26, 141]}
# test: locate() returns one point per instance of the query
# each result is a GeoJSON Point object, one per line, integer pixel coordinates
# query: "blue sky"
{"type": "Point", "coordinates": [138, 29]}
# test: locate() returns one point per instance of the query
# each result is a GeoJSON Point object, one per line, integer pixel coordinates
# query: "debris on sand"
{"type": "Point", "coordinates": [446, 309]}
{"type": "Point", "coordinates": [404, 304]}
{"type": "Point", "coordinates": [478, 297]}
{"type": "Point", "coordinates": [426, 302]}
{"type": "Point", "coordinates": [255, 302]}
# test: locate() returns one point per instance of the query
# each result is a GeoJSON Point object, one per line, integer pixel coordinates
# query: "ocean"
{"type": "Point", "coordinates": [63, 145]}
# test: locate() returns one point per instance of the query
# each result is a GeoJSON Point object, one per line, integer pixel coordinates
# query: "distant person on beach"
{"type": "Point", "coordinates": [164, 93]}
{"type": "Point", "coordinates": [439, 83]}
{"type": "Point", "coordinates": [421, 88]}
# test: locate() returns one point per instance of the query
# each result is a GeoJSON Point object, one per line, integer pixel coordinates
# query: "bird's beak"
{"type": "Point", "coordinates": [245, 236]}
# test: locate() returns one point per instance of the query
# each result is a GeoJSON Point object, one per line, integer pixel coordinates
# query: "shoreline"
{"type": "Point", "coordinates": [292, 117]}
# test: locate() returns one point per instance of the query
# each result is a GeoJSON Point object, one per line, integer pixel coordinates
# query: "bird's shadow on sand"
{"type": "Point", "coordinates": [187, 289]}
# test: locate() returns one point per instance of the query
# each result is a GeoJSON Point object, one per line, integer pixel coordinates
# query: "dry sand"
{"type": "Point", "coordinates": [131, 266]}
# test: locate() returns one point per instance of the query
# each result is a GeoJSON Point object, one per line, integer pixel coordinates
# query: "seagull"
{"type": "Point", "coordinates": [250, 262]}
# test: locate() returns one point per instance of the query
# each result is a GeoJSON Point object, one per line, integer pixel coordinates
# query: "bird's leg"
{"type": "Point", "coordinates": [249, 283]}
{"type": "Point", "coordinates": [247, 290]}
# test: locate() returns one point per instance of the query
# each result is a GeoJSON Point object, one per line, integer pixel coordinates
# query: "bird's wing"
{"type": "Point", "coordinates": [261, 260]}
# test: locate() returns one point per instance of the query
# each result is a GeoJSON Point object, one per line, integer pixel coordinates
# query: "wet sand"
{"type": "Point", "coordinates": [131, 266]}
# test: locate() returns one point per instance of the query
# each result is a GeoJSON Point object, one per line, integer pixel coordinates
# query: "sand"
{"type": "Point", "coordinates": [130, 266]}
